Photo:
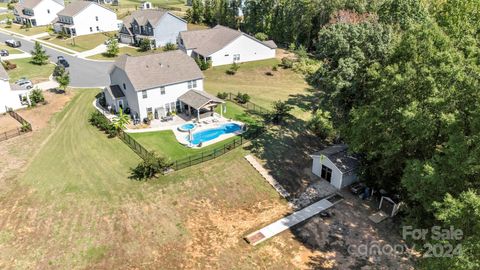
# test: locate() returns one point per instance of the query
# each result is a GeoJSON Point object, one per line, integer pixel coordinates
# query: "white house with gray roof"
{"type": "Point", "coordinates": [151, 85]}
{"type": "Point", "coordinates": [335, 165]}
{"type": "Point", "coordinates": [224, 46]}
{"type": "Point", "coordinates": [84, 17]}
{"type": "Point", "coordinates": [37, 12]}
{"type": "Point", "coordinates": [157, 25]}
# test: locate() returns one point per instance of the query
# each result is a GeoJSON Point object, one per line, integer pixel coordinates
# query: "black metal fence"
{"type": "Point", "coordinates": [132, 143]}
{"type": "Point", "coordinates": [250, 106]}
{"type": "Point", "coordinates": [26, 127]}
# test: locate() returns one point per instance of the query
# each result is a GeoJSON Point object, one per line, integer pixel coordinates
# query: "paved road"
{"type": "Point", "coordinates": [83, 73]}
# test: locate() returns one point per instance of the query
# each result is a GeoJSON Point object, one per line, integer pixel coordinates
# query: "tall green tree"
{"type": "Point", "coordinates": [39, 55]}
{"type": "Point", "coordinates": [63, 80]}
{"type": "Point", "coordinates": [112, 48]}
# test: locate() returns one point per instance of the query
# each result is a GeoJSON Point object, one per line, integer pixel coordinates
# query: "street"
{"type": "Point", "coordinates": [83, 72]}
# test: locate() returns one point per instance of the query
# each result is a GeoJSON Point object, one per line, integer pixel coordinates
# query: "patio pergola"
{"type": "Point", "coordinates": [199, 100]}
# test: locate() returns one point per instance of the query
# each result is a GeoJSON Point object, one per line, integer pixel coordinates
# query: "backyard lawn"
{"type": "Point", "coordinates": [33, 72]}
{"type": "Point", "coordinates": [251, 78]}
{"type": "Point", "coordinates": [74, 207]}
{"type": "Point", "coordinates": [81, 43]}
{"type": "Point", "coordinates": [24, 31]}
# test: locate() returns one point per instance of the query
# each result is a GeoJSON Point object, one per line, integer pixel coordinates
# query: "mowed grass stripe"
{"type": "Point", "coordinates": [80, 159]}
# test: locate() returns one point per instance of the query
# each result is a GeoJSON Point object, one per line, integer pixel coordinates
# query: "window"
{"type": "Point", "coordinates": [149, 111]}
{"type": "Point", "coordinates": [91, 29]}
{"type": "Point", "coordinates": [236, 57]}
{"type": "Point", "coordinates": [144, 94]}
{"type": "Point", "coordinates": [167, 107]}
{"type": "Point", "coordinates": [96, 18]}
{"type": "Point", "coordinates": [192, 84]}
{"type": "Point", "coordinates": [326, 173]}
{"type": "Point", "coordinates": [98, 28]}
{"type": "Point", "coordinates": [162, 90]}
{"type": "Point", "coordinates": [124, 86]}
{"type": "Point", "coordinates": [173, 106]}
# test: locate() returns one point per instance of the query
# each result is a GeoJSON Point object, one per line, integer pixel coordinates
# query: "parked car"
{"type": "Point", "coordinates": [357, 188]}
{"type": "Point", "coordinates": [13, 43]}
{"type": "Point", "coordinates": [24, 82]}
{"type": "Point", "coordinates": [62, 61]}
{"type": "Point", "coordinates": [4, 53]}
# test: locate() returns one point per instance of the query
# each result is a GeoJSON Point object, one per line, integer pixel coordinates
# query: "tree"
{"type": "Point", "coordinates": [404, 13]}
{"type": "Point", "coordinates": [121, 121]}
{"type": "Point", "coordinates": [145, 44]}
{"type": "Point", "coordinates": [281, 110]}
{"type": "Point", "coordinates": [196, 15]}
{"type": "Point", "coordinates": [321, 125]}
{"type": "Point", "coordinates": [169, 47]}
{"type": "Point", "coordinates": [36, 96]}
{"type": "Point", "coordinates": [63, 80]}
{"type": "Point", "coordinates": [151, 166]}
{"type": "Point", "coordinates": [261, 36]}
{"type": "Point", "coordinates": [58, 71]}
{"type": "Point", "coordinates": [112, 47]}
{"type": "Point", "coordinates": [39, 55]}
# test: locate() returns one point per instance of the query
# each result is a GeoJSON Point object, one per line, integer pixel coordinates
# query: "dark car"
{"type": "Point", "coordinates": [4, 53]}
{"type": "Point", "coordinates": [62, 61]}
{"type": "Point", "coordinates": [13, 43]}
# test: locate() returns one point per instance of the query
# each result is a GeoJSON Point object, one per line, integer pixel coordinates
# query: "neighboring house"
{"type": "Point", "coordinates": [37, 12]}
{"type": "Point", "coordinates": [335, 165]}
{"type": "Point", "coordinates": [84, 18]}
{"type": "Point", "coordinates": [11, 95]}
{"type": "Point", "coordinates": [224, 46]}
{"type": "Point", "coordinates": [157, 25]}
{"type": "Point", "coordinates": [151, 85]}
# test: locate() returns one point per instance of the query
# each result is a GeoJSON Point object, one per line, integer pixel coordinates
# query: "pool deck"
{"type": "Point", "coordinates": [181, 136]}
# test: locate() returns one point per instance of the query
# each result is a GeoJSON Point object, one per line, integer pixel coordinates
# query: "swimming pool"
{"type": "Point", "coordinates": [213, 133]}
{"type": "Point", "coordinates": [187, 127]}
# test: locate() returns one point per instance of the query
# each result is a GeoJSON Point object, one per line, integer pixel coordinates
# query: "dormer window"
{"type": "Point", "coordinates": [96, 18]}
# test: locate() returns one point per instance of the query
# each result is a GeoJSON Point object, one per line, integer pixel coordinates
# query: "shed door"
{"type": "Point", "coordinates": [326, 173]}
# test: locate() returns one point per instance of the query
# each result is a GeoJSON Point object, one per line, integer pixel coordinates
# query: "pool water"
{"type": "Point", "coordinates": [211, 134]}
{"type": "Point", "coordinates": [187, 127]}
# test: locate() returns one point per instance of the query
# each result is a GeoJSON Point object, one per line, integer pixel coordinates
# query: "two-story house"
{"type": "Point", "coordinates": [12, 96]}
{"type": "Point", "coordinates": [157, 25]}
{"type": "Point", "coordinates": [84, 18]}
{"type": "Point", "coordinates": [223, 46]}
{"type": "Point", "coordinates": [37, 12]}
{"type": "Point", "coordinates": [152, 85]}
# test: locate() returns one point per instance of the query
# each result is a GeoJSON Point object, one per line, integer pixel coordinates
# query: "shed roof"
{"type": "Point", "coordinates": [155, 70]}
{"type": "Point", "coordinates": [338, 155]}
{"type": "Point", "coordinates": [197, 99]}
{"type": "Point", "coordinates": [209, 41]}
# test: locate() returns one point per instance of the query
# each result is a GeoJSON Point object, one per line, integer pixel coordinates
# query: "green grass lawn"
{"type": "Point", "coordinates": [124, 50]}
{"type": "Point", "coordinates": [33, 72]}
{"type": "Point", "coordinates": [251, 79]}
{"type": "Point", "coordinates": [74, 207]}
{"type": "Point", "coordinates": [25, 31]}
{"type": "Point", "coordinates": [81, 43]}
{"type": "Point", "coordinates": [9, 49]}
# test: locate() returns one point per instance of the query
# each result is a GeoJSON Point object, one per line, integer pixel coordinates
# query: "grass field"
{"type": "Point", "coordinates": [74, 207]}
{"type": "Point", "coordinates": [25, 31]}
{"type": "Point", "coordinates": [81, 43]}
{"type": "Point", "coordinates": [33, 72]}
{"type": "Point", "coordinates": [251, 79]}
{"type": "Point", "coordinates": [124, 50]}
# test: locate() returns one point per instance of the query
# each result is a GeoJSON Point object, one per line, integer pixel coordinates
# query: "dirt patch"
{"type": "Point", "coordinates": [7, 123]}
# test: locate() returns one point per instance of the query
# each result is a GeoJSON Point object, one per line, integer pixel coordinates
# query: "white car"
{"type": "Point", "coordinates": [25, 83]}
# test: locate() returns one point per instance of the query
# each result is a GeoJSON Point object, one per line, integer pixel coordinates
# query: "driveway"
{"type": "Point", "coordinates": [83, 72]}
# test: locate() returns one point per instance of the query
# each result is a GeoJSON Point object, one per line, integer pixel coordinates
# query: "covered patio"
{"type": "Point", "coordinates": [199, 104]}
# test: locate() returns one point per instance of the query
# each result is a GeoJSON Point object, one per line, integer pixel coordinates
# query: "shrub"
{"type": "Point", "coordinates": [321, 125]}
{"type": "Point", "coordinates": [306, 66]}
{"type": "Point", "coordinates": [98, 120]}
{"type": "Point", "coordinates": [242, 98]}
{"type": "Point", "coordinates": [169, 47]}
{"type": "Point", "coordinates": [233, 69]}
{"type": "Point", "coordinates": [281, 110]}
{"type": "Point", "coordinates": [147, 121]}
{"type": "Point", "coordinates": [261, 36]}
{"type": "Point", "coordinates": [9, 65]}
{"type": "Point", "coordinates": [222, 95]}
{"type": "Point", "coordinates": [202, 64]}
{"type": "Point", "coordinates": [152, 165]}
{"type": "Point", "coordinates": [36, 96]}
{"type": "Point", "coordinates": [58, 70]}
{"type": "Point", "coordinates": [287, 62]}
{"type": "Point", "coordinates": [275, 68]}
{"type": "Point", "coordinates": [145, 44]}
{"type": "Point", "coordinates": [102, 101]}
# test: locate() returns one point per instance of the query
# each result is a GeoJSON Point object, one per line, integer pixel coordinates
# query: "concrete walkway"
{"type": "Point", "coordinates": [267, 176]}
{"type": "Point", "coordinates": [97, 50]}
{"type": "Point", "coordinates": [285, 223]}
{"type": "Point", "coordinates": [50, 84]}
{"type": "Point", "coordinates": [16, 56]}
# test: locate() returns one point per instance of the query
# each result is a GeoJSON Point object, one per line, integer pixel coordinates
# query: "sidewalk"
{"type": "Point", "coordinates": [16, 56]}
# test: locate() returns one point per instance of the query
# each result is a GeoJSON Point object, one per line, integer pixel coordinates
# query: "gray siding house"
{"type": "Point", "coordinates": [157, 25]}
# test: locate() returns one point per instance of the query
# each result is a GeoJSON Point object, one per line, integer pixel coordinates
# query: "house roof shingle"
{"type": "Point", "coordinates": [197, 99]}
{"type": "Point", "coordinates": [153, 16]}
{"type": "Point", "coordinates": [74, 8]}
{"type": "Point", "coordinates": [209, 41]}
{"type": "Point", "coordinates": [155, 70]}
{"type": "Point", "coordinates": [339, 155]}
{"type": "Point", "coordinates": [29, 3]}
